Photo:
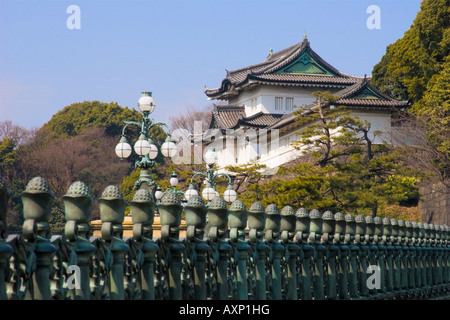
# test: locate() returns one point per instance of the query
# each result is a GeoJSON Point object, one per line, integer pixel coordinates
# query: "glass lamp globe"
{"type": "Point", "coordinates": [158, 193]}
{"type": "Point", "coordinates": [153, 153]}
{"type": "Point", "coordinates": [146, 102]}
{"type": "Point", "coordinates": [123, 149]}
{"type": "Point", "coordinates": [210, 156]}
{"type": "Point", "coordinates": [168, 148]}
{"type": "Point", "coordinates": [229, 195]}
{"type": "Point", "coordinates": [190, 192]}
{"type": "Point", "coordinates": [209, 193]}
{"type": "Point", "coordinates": [173, 180]}
{"type": "Point", "coordinates": [142, 146]}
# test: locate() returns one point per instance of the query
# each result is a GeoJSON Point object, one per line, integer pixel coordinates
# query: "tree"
{"type": "Point", "coordinates": [342, 168]}
{"type": "Point", "coordinates": [189, 117]}
{"type": "Point", "coordinates": [411, 61]}
{"type": "Point", "coordinates": [416, 68]}
{"type": "Point", "coordinates": [8, 156]}
{"type": "Point", "coordinates": [77, 117]}
{"type": "Point", "coordinates": [432, 115]}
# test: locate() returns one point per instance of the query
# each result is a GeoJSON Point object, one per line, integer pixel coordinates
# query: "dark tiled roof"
{"type": "Point", "coordinates": [266, 71]}
{"type": "Point", "coordinates": [228, 116]}
{"type": "Point", "coordinates": [261, 120]}
{"type": "Point", "coordinates": [371, 103]}
{"type": "Point", "coordinates": [363, 94]}
{"type": "Point", "coordinates": [305, 79]}
{"type": "Point", "coordinates": [232, 117]}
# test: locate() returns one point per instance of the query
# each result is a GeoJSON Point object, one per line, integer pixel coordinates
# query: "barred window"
{"type": "Point", "coordinates": [289, 104]}
{"type": "Point", "coordinates": [278, 103]}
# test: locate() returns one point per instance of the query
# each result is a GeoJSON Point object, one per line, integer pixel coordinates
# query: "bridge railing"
{"type": "Point", "coordinates": [256, 253]}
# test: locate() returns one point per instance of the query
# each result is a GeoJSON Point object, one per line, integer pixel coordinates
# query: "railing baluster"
{"type": "Point", "coordinates": [5, 249]}
{"type": "Point", "coordinates": [272, 227]}
{"type": "Point", "coordinates": [256, 223]}
{"type": "Point", "coordinates": [112, 209]}
{"type": "Point", "coordinates": [37, 199]}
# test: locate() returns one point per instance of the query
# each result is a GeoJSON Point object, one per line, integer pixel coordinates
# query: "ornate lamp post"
{"type": "Point", "coordinates": [210, 192]}
{"type": "Point", "coordinates": [144, 146]}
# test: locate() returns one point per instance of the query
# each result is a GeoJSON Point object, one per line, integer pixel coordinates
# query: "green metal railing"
{"type": "Point", "coordinates": [228, 252]}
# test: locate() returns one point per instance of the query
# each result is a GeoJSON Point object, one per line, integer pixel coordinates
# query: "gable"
{"type": "Point", "coordinates": [367, 93]}
{"type": "Point", "coordinates": [306, 64]}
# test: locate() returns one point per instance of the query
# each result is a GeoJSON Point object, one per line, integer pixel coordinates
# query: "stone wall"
{"type": "Point", "coordinates": [435, 204]}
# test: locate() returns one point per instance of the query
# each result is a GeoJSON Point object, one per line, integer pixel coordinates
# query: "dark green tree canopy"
{"type": "Point", "coordinates": [411, 61]}
{"type": "Point", "coordinates": [77, 117]}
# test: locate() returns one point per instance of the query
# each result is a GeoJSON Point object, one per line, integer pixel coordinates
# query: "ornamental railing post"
{"type": "Point", "coordinates": [272, 234]}
{"type": "Point", "coordinates": [339, 238]}
{"type": "Point", "coordinates": [422, 253]}
{"type": "Point", "coordinates": [416, 257]}
{"type": "Point", "coordinates": [315, 237]}
{"type": "Point", "coordinates": [410, 258]}
{"type": "Point", "coordinates": [292, 250]}
{"type": "Point", "coordinates": [237, 222]}
{"type": "Point", "coordinates": [302, 228]}
{"type": "Point", "coordinates": [170, 209]}
{"type": "Point", "coordinates": [142, 210]}
{"type": "Point", "coordinates": [387, 239]}
{"type": "Point", "coordinates": [37, 200]}
{"type": "Point", "coordinates": [396, 253]}
{"type": "Point", "coordinates": [195, 215]}
{"type": "Point", "coordinates": [361, 240]}
{"type": "Point", "coordinates": [372, 252]}
{"type": "Point", "coordinates": [78, 205]}
{"type": "Point", "coordinates": [256, 223]}
{"type": "Point", "coordinates": [439, 238]}
{"type": "Point", "coordinates": [445, 273]}
{"type": "Point", "coordinates": [381, 253]}
{"type": "Point", "coordinates": [403, 257]}
{"type": "Point", "coordinates": [447, 255]}
{"type": "Point", "coordinates": [5, 249]}
{"type": "Point", "coordinates": [328, 227]}
{"type": "Point", "coordinates": [112, 210]}
{"type": "Point", "coordinates": [217, 216]}
{"type": "Point", "coordinates": [428, 258]}
{"type": "Point", "coordinates": [350, 232]}
{"type": "Point", "coordinates": [434, 255]}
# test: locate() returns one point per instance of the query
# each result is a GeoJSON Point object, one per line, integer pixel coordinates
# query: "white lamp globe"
{"type": "Point", "coordinates": [158, 193]}
{"type": "Point", "coordinates": [153, 153]}
{"type": "Point", "coordinates": [209, 193]}
{"type": "Point", "coordinates": [229, 195]}
{"type": "Point", "coordinates": [190, 192]}
{"type": "Point", "coordinates": [142, 146]}
{"type": "Point", "coordinates": [123, 149]}
{"type": "Point", "coordinates": [168, 148]}
{"type": "Point", "coordinates": [173, 180]}
{"type": "Point", "coordinates": [146, 102]}
{"type": "Point", "coordinates": [210, 156]}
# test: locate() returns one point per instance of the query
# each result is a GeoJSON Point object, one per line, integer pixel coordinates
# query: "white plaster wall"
{"type": "Point", "coordinates": [265, 96]}
{"type": "Point", "coordinates": [379, 120]}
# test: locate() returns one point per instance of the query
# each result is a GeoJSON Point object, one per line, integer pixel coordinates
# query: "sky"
{"type": "Point", "coordinates": [52, 55]}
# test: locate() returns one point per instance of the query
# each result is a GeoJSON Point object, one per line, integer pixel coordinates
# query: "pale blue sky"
{"type": "Point", "coordinates": [173, 48]}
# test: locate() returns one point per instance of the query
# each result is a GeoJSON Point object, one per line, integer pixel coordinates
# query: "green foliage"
{"type": "Point", "coordinates": [77, 117]}
{"type": "Point", "coordinates": [434, 110]}
{"type": "Point", "coordinates": [8, 156]}
{"type": "Point", "coordinates": [411, 61]}
{"type": "Point", "coordinates": [348, 173]}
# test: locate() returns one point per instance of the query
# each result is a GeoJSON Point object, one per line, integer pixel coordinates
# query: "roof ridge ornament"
{"type": "Point", "coordinates": [270, 53]}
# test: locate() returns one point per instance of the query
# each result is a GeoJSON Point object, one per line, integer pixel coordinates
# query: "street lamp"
{"type": "Point", "coordinates": [144, 146]}
{"type": "Point", "coordinates": [209, 192]}
{"type": "Point", "coordinates": [173, 182]}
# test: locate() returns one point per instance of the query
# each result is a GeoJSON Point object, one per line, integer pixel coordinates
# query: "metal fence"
{"type": "Point", "coordinates": [230, 252]}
